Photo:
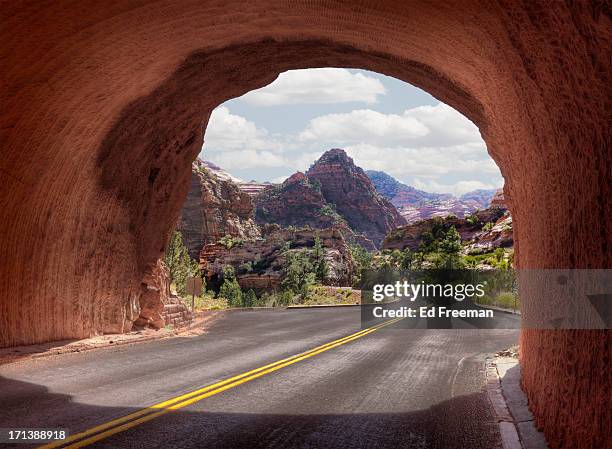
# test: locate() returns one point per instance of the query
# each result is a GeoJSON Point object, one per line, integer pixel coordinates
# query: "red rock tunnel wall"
{"type": "Point", "coordinates": [103, 109]}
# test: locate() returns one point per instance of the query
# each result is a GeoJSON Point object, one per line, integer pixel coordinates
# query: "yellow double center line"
{"type": "Point", "coordinates": [115, 426]}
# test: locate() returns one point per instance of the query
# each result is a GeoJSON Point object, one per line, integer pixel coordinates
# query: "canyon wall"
{"type": "Point", "coordinates": [215, 207]}
{"type": "Point", "coordinates": [104, 107]}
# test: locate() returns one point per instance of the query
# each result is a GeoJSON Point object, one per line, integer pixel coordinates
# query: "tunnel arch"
{"type": "Point", "coordinates": [103, 113]}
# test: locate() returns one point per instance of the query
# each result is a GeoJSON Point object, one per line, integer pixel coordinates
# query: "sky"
{"type": "Point", "coordinates": [382, 123]}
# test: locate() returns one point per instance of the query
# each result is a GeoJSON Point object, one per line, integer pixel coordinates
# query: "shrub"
{"type": "Point", "coordinates": [249, 299]}
{"type": "Point", "coordinates": [230, 289]}
{"type": "Point", "coordinates": [229, 242]}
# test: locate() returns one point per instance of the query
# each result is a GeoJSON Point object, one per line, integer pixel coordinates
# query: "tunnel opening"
{"type": "Point", "coordinates": [84, 190]}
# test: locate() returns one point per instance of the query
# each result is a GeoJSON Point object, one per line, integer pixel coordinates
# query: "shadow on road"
{"type": "Point", "coordinates": [458, 423]}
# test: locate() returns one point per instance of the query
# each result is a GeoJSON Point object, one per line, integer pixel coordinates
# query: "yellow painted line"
{"type": "Point", "coordinates": [133, 419]}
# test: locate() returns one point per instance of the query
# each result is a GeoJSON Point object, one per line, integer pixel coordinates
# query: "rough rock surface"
{"type": "Point", "coordinates": [158, 305]}
{"type": "Point", "coordinates": [410, 236]}
{"type": "Point", "coordinates": [103, 107]}
{"type": "Point", "coordinates": [499, 236]}
{"type": "Point", "coordinates": [296, 202]}
{"type": "Point", "coordinates": [265, 257]}
{"type": "Point", "coordinates": [215, 207]}
{"type": "Point", "coordinates": [353, 195]}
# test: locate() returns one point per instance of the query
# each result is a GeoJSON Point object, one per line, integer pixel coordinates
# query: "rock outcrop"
{"type": "Point", "coordinates": [299, 201]}
{"type": "Point", "coordinates": [353, 195]}
{"type": "Point", "coordinates": [259, 263]}
{"type": "Point", "coordinates": [158, 306]}
{"type": "Point", "coordinates": [499, 236]}
{"type": "Point", "coordinates": [470, 229]}
{"type": "Point", "coordinates": [295, 202]}
{"type": "Point", "coordinates": [215, 207]}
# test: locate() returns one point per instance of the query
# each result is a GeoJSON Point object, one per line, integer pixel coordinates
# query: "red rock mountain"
{"type": "Point", "coordinates": [333, 190]}
{"type": "Point", "coordinates": [215, 207]}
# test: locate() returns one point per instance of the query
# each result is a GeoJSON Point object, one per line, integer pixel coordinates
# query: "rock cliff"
{"type": "Point", "coordinates": [473, 230]}
{"type": "Point", "coordinates": [259, 263]}
{"type": "Point", "coordinates": [215, 207]}
{"type": "Point", "coordinates": [353, 195]}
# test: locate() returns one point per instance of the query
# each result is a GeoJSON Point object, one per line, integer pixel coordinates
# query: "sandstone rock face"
{"type": "Point", "coordinates": [500, 236]}
{"type": "Point", "coordinates": [498, 200]}
{"type": "Point", "coordinates": [215, 207]}
{"type": "Point", "coordinates": [156, 286]}
{"type": "Point", "coordinates": [265, 257]}
{"type": "Point", "coordinates": [353, 195]}
{"type": "Point", "coordinates": [103, 110]}
{"type": "Point", "coordinates": [296, 202]}
{"type": "Point", "coordinates": [300, 202]}
{"type": "Point", "coordinates": [158, 305]}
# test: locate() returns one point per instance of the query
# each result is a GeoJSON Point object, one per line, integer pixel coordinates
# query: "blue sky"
{"type": "Point", "coordinates": [383, 123]}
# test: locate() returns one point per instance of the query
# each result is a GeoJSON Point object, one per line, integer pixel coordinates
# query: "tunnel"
{"type": "Point", "coordinates": [104, 107]}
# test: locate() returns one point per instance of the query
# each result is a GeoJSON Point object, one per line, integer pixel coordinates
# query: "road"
{"type": "Point", "coordinates": [386, 388]}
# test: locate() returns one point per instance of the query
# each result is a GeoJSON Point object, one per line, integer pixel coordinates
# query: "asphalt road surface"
{"type": "Point", "coordinates": [384, 388]}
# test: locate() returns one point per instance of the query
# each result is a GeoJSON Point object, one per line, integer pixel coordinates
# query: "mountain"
{"type": "Point", "coordinates": [415, 205]}
{"type": "Point", "coordinates": [333, 191]}
{"type": "Point", "coordinates": [481, 196]}
{"type": "Point", "coordinates": [215, 207]}
{"type": "Point", "coordinates": [440, 208]}
{"type": "Point", "coordinates": [401, 194]}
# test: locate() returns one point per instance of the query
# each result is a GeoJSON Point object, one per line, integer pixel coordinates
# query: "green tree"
{"type": "Point", "coordinates": [321, 268]}
{"type": "Point", "coordinates": [363, 262]}
{"type": "Point", "coordinates": [298, 273]}
{"type": "Point", "coordinates": [230, 289]}
{"type": "Point", "coordinates": [449, 248]}
{"type": "Point", "coordinates": [179, 263]}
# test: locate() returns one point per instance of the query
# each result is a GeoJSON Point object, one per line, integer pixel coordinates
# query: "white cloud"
{"type": "Point", "coordinates": [363, 125]}
{"type": "Point", "coordinates": [241, 159]}
{"type": "Point", "coordinates": [438, 125]}
{"type": "Point", "coordinates": [227, 131]}
{"type": "Point", "coordinates": [317, 86]}
{"type": "Point", "coordinates": [431, 147]}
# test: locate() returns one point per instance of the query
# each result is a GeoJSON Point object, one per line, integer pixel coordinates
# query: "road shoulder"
{"type": "Point", "coordinates": [510, 404]}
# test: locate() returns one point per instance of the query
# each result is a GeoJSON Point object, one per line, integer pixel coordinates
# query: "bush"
{"type": "Point", "coordinates": [487, 227]}
{"type": "Point", "coordinates": [249, 299]}
{"type": "Point", "coordinates": [229, 242]}
{"type": "Point", "coordinates": [507, 300]}
{"type": "Point", "coordinates": [230, 289]}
